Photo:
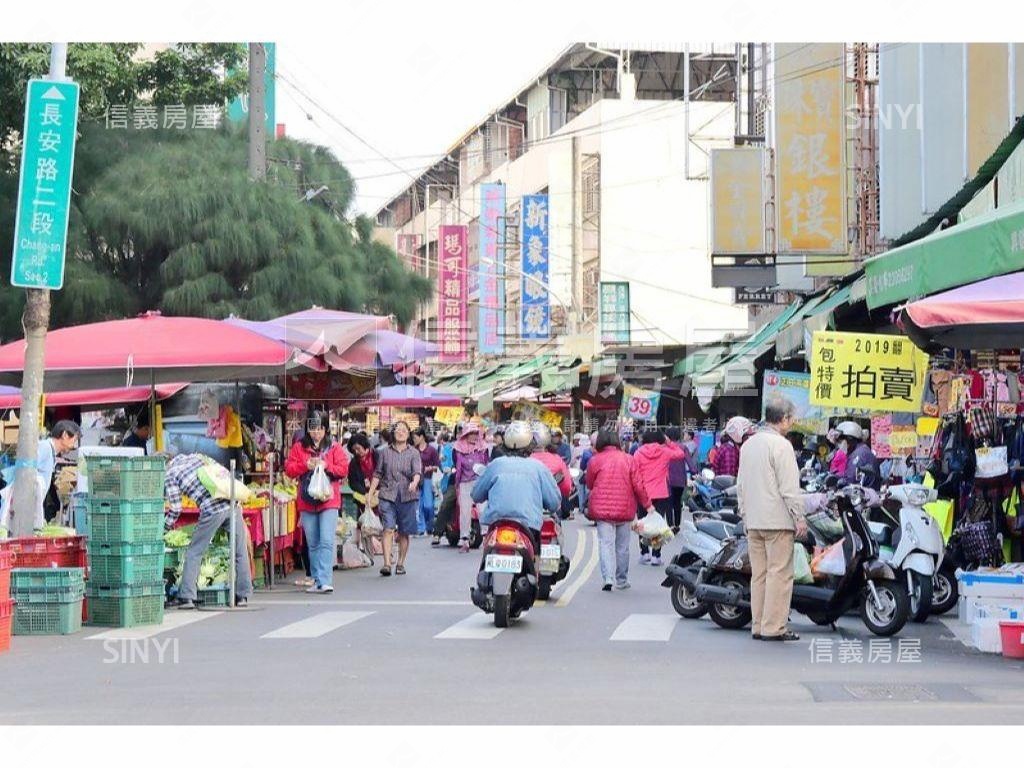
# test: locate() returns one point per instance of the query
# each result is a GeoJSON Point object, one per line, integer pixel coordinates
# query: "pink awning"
{"type": "Point", "coordinates": [108, 397]}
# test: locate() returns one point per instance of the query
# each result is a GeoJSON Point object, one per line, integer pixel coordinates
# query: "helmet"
{"type": "Point", "coordinates": [850, 429]}
{"type": "Point", "coordinates": [542, 434]}
{"type": "Point", "coordinates": [517, 436]}
{"type": "Point", "coordinates": [738, 428]}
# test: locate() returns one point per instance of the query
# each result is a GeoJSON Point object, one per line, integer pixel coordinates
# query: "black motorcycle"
{"type": "Point", "coordinates": [867, 582]}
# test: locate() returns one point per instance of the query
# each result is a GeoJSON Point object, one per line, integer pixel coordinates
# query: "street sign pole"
{"type": "Point", "coordinates": [40, 240]}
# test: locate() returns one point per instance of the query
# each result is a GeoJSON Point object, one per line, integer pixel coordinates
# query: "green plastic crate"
{"type": "Point", "coordinates": [173, 557]}
{"type": "Point", "coordinates": [215, 596]}
{"type": "Point", "coordinates": [126, 477]}
{"type": "Point", "coordinates": [124, 563]}
{"type": "Point", "coordinates": [30, 578]}
{"type": "Point", "coordinates": [112, 525]}
{"type": "Point", "coordinates": [48, 618]}
{"type": "Point", "coordinates": [126, 606]}
{"type": "Point", "coordinates": [68, 594]}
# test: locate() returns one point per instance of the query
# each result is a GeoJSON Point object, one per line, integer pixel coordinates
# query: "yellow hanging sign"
{"type": "Point", "coordinates": [872, 372]}
{"type": "Point", "coordinates": [449, 416]}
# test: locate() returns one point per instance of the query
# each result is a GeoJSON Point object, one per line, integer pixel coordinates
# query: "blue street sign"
{"type": "Point", "coordinates": [44, 194]}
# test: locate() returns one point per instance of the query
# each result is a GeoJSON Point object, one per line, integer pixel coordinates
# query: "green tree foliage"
{"type": "Point", "coordinates": [169, 220]}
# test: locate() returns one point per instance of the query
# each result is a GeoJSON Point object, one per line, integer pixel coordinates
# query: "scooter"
{"type": "Point", "coordinates": [702, 539]}
{"type": "Point", "coordinates": [552, 565]}
{"type": "Point", "coordinates": [712, 492]}
{"type": "Point", "coordinates": [724, 584]}
{"type": "Point", "coordinates": [911, 541]}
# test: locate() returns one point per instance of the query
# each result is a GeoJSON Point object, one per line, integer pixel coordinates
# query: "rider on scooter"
{"type": "Point", "coordinates": [515, 487]}
{"type": "Point", "coordinates": [555, 463]}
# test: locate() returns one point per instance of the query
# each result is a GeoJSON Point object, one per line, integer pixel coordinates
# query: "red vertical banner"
{"type": "Point", "coordinates": [452, 292]}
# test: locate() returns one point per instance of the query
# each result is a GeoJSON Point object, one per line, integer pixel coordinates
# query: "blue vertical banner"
{"type": "Point", "coordinates": [535, 319]}
{"type": "Point", "coordinates": [238, 109]}
{"type": "Point", "coordinates": [492, 269]}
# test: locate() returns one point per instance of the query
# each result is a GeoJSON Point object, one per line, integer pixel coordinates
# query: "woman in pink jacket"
{"type": "Point", "coordinates": [616, 492]}
{"type": "Point", "coordinates": [652, 460]}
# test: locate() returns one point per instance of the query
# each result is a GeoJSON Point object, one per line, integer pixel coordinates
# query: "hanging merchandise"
{"type": "Point", "coordinates": [209, 407]}
{"type": "Point", "coordinates": [232, 437]}
{"type": "Point", "coordinates": [218, 426]}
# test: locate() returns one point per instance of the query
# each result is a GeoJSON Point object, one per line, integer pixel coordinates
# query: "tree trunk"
{"type": "Point", "coordinates": [35, 321]}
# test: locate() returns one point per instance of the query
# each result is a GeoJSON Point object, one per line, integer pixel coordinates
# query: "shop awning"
{"type": "Point", "coordinates": [557, 378]}
{"type": "Point", "coordinates": [96, 397]}
{"type": "Point", "coordinates": [700, 359]}
{"type": "Point", "coordinates": [404, 396]}
{"type": "Point", "coordinates": [816, 315]}
{"type": "Point", "coordinates": [984, 315]}
{"type": "Point", "coordinates": [989, 245]}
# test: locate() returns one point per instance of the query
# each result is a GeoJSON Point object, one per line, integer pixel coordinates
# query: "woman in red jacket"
{"type": "Point", "coordinates": [616, 492]}
{"type": "Point", "coordinates": [319, 518]}
{"type": "Point", "coordinates": [651, 463]}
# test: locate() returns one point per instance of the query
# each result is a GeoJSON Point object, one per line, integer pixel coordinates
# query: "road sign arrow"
{"type": "Point", "coordinates": [53, 93]}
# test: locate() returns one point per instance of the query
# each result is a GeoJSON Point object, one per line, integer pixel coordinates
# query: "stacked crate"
{"type": "Point", "coordinates": [6, 604]}
{"type": "Point", "coordinates": [126, 547]}
{"type": "Point", "coordinates": [48, 601]}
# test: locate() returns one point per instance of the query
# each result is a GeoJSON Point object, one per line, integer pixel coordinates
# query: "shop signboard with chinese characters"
{"type": "Point", "coordinates": [738, 200]}
{"type": "Point", "coordinates": [44, 194]}
{"type": "Point", "coordinates": [450, 416]}
{"type": "Point", "coordinates": [640, 404]}
{"type": "Point", "coordinates": [810, 81]}
{"type": "Point", "coordinates": [615, 313]}
{"type": "Point", "coordinates": [872, 372]}
{"type": "Point", "coordinates": [452, 293]}
{"type": "Point", "coordinates": [238, 109]}
{"type": "Point", "coordinates": [795, 387]}
{"type": "Point", "coordinates": [535, 320]}
{"type": "Point", "coordinates": [492, 269]}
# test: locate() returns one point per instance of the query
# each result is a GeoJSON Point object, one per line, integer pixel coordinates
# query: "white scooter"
{"type": "Point", "coordinates": [916, 547]}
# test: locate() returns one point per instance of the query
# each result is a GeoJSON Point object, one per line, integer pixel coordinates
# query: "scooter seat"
{"type": "Point", "coordinates": [718, 529]}
{"type": "Point", "coordinates": [729, 517]}
{"type": "Point", "coordinates": [721, 482]}
{"type": "Point", "coordinates": [731, 492]}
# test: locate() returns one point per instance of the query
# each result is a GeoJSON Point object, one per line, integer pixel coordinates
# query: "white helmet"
{"type": "Point", "coordinates": [518, 435]}
{"type": "Point", "coordinates": [850, 429]}
{"type": "Point", "coordinates": [738, 427]}
{"type": "Point", "coordinates": [542, 434]}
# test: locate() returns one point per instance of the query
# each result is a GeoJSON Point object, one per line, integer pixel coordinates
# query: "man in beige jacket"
{"type": "Point", "coordinates": [768, 490]}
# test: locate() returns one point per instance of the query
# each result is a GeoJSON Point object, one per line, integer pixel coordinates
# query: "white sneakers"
{"type": "Point", "coordinates": [315, 590]}
{"type": "Point", "coordinates": [645, 559]}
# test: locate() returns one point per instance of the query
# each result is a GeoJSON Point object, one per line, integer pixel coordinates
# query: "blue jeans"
{"type": "Point", "coordinates": [613, 541]}
{"type": "Point", "coordinates": [425, 520]}
{"type": "Point", "coordinates": [320, 528]}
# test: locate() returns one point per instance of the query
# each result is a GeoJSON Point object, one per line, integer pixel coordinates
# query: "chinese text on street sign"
{"type": "Point", "coordinates": [810, 136]}
{"type": "Point", "coordinates": [535, 322]}
{"type": "Point", "coordinates": [44, 197]}
{"type": "Point", "coordinates": [615, 313]}
{"type": "Point", "coordinates": [737, 200]}
{"type": "Point", "coordinates": [492, 269]}
{"type": "Point", "coordinates": [873, 372]}
{"type": "Point", "coordinates": [451, 293]}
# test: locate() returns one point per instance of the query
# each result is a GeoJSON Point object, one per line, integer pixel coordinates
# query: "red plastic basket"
{"type": "Point", "coordinates": [6, 620]}
{"type": "Point", "coordinates": [6, 563]}
{"type": "Point", "coordinates": [66, 552]}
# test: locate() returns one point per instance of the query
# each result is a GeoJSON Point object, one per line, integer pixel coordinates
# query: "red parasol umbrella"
{"type": "Point", "coordinates": [95, 397]}
{"type": "Point", "coordinates": [150, 349]}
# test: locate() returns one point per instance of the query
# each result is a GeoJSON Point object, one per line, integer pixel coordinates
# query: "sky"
{"type": "Point", "coordinates": [410, 77]}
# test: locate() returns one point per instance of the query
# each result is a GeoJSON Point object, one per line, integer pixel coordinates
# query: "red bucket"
{"type": "Point", "coordinates": [1012, 634]}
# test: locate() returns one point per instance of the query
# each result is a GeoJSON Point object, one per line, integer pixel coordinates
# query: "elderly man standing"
{"type": "Point", "coordinates": [768, 488]}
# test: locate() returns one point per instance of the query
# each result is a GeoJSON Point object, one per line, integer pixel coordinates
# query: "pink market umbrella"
{"type": "Point", "coordinates": [404, 396]}
{"type": "Point", "coordinates": [985, 315]}
{"type": "Point", "coordinates": [95, 397]}
{"type": "Point", "coordinates": [148, 350]}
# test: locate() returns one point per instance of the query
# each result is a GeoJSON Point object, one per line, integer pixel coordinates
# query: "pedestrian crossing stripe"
{"type": "Point", "coordinates": [650, 627]}
{"type": "Point", "coordinates": [316, 625]}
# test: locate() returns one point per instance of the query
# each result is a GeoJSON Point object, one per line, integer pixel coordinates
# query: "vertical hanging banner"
{"type": "Point", "coordinates": [535, 320]}
{"type": "Point", "coordinates": [615, 313]}
{"type": "Point", "coordinates": [451, 293]}
{"type": "Point", "coordinates": [737, 200]}
{"type": "Point", "coordinates": [492, 269]}
{"type": "Point", "coordinates": [810, 146]}
{"type": "Point", "coordinates": [871, 372]}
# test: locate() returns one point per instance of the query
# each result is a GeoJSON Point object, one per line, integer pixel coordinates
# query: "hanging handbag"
{"type": "Point", "coordinates": [979, 543]}
{"type": "Point", "coordinates": [983, 423]}
{"type": "Point", "coordinates": [990, 462]}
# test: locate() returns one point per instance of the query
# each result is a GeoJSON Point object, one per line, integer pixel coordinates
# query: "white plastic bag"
{"type": "Point", "coordinates": [320, 485]}
{"type": "Point", "coordinates": [370, 524]}
{"type": "Point", "coordinates": [353, 557]}
{"type": "Point", "coordinates": [830, 561]}
{"type": "Point", "coordinates": [991, 462]}
{"type": "Point", "coordinates": [801, 565]}
{"type": "Point", "coordinates": [654, 526]}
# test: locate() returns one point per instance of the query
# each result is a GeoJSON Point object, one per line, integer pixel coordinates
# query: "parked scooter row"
{"type": "Point", "coordinates": [711, 571]}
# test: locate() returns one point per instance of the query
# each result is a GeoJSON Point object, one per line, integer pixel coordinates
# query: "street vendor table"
{"type": "Point", "coordinates": [257, 521]}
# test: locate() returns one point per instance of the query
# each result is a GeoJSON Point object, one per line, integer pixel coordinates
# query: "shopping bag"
{"type": "Point", "coordinates": [353, 557]}
{"type": "Point", "coordinates": [801, 565]}
{"type": "Point", "coordinates": [370, 524]}
{"type": "Point", "coordinates": [652, 526]}
{"type": "Point", "coordinates": [990, 462]}
{"type": "Point", "coordinates": [830, 561]}
{"type": "Point", "coordinates": [216, 479]}
{"type": "Point", "coordinates": [319, 487]}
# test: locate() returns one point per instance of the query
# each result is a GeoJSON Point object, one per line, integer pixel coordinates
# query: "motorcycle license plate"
{"type": "Point", "coordinates": [550, 551]}
{"type": "Point", "coordinates": [503, 563]}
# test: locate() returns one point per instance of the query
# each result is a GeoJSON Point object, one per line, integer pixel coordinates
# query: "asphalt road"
{"type": "Point", "coordinates": [414, 650]}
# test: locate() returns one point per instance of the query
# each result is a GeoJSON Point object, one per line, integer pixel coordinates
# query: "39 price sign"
{"type": "Point", "coordinates": [640, 404]}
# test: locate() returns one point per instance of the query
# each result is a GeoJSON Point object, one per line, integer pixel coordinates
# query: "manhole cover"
{"type": "Point", "coordinates": [891, 693]}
